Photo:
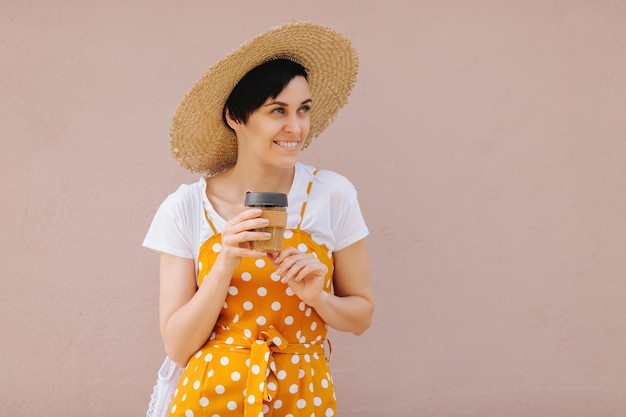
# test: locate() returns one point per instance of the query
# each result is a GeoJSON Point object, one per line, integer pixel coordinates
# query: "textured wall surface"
{"type": "Point", "coordinates": [487, 140]}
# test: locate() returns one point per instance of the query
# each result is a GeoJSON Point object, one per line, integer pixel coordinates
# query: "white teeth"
{"type": "Point", "coordinates": [291, 145]}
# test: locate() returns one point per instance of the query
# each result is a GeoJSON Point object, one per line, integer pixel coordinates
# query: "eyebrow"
{"type": "Point", "coordinates": [280, 103]}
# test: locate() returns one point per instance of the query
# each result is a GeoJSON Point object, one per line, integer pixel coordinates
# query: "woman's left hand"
{"type": "Point", "coordinates": [303, 272]}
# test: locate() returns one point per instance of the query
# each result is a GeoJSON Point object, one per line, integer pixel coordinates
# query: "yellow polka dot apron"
{"type": "Point", "coordinates": [265, 357]}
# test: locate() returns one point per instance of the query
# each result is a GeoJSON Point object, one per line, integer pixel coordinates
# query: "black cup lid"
{"type": "Point", "coordinates": [261, 199]}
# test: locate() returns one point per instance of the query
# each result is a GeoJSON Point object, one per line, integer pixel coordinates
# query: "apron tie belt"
{"type": "Point", "coordinates": [262, 383]}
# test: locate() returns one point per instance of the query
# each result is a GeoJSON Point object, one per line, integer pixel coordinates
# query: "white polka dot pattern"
{"type": "Point", "coordinates": [266, 353]}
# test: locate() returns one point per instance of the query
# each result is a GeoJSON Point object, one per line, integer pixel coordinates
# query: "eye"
{"type": "Point", "coordinates": [278, 110]}
{"type": "Point", "coordinates": [305, 109]}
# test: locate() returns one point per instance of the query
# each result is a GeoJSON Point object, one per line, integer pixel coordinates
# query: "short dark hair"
{"type": "Point", "coordinates": [259, 84]}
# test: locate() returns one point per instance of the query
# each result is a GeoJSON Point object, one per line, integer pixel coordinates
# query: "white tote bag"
{"type": "Point", "coordinates": [167, 378]}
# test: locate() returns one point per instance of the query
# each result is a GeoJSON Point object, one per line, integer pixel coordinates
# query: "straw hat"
{"type": "Point", "coordinates": [199, 139]}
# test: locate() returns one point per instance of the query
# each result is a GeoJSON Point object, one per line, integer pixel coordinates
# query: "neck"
{"type": "Point", "coordinates": [268, 179]}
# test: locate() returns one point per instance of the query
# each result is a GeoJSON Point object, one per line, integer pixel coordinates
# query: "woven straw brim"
{"type": "Point", "coordinates": [199, 139]}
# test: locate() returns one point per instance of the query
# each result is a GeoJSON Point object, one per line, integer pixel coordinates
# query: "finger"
{"type": "Point", "coordinates": [248, 224]}
{"type": "Point", "coordinates": [313, 269]}
{"type": "Point", "coordinates": [244, 238]}
{"type": "Point", "coordinates": [296, 271]}
{"type": "Point", "coordinates": [251, 253]}
{"type": "Point", "coordinates": [285, 253]}
{"type": "Point", "coordinates": [247, 214]}
{"type": "Point", "coordinates": [291, 254]}
{"type": "Point", "coordinates": [244, 221]}
{"type": "Point", "coordinates": [273, 256]}
{"type": "Point", "coordinates": [299, 257]}
{"type": "Point", "coordinates": [241, 252]}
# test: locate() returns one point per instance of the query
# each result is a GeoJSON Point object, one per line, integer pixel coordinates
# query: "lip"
{"type": "Point", "coordinates": [288, 145]}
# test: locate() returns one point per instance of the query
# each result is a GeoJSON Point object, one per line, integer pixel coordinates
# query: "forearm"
{"type": "Point", "coordinates": [188, 314]}
{"type": "Point", "coordinates": [351, 305]}
{"type": "Point", "coordinates": [349, 314]}
{"type": "Point", "coordinates": [189, 327]}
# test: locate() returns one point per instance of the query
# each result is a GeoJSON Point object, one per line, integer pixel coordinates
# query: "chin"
{"type": "Point", "coordinates": [288, 164]}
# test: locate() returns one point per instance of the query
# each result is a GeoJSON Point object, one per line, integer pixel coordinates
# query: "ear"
{"type": "Point", "coordinates": [231, 121]}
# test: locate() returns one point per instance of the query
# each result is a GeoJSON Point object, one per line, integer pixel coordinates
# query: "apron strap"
{"type": "Point", "coordinates": [206, 214]}
{"type": "Point", "coordinates": [306, 199]}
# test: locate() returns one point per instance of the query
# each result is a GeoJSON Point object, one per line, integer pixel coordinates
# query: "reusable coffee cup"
{"type": "Point", "coordinates": [274, 206]}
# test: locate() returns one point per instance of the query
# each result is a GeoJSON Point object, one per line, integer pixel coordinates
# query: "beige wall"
{"type": "Point", "coordinates": [488, 143]}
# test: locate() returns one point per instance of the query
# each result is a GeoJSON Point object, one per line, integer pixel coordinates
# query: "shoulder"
{"type": "Point", "coordinates": [327, 180]}
{"type": "Point", "coordinates": [334, 181]}
{"type": "Point", "coordinates": [174, 227]}
{"type": "Point", "coordinates": [333, 215]}
{"type": "Point", "coordinates": [186, 197]}
{"type": "Point", "coordinates": [333, 187]}
{"type": "Point", "coordinates": [333, 193]}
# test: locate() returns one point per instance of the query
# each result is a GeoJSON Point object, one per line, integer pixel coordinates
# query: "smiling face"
{"type": "Point", "coordinates": [275, 133]}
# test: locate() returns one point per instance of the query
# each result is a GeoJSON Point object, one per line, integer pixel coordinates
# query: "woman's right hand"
{"type": "Point", "coordinates": [237, 235]}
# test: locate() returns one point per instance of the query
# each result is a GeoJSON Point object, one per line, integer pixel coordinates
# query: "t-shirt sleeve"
{"type": "Point", "coordinates": [171, 228]}
{"type": "Point", "coordinates": [348, 223]}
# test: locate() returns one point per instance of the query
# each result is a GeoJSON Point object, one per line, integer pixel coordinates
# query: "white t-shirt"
{"type": "Point", "coordinates": [332, 217]}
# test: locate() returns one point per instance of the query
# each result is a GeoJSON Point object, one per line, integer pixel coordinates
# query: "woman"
{"type": "Point", "coordinates": [250, 327]}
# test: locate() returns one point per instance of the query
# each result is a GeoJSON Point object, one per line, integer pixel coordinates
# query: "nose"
{"type": "Point", "coordinates": [294, 124]}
